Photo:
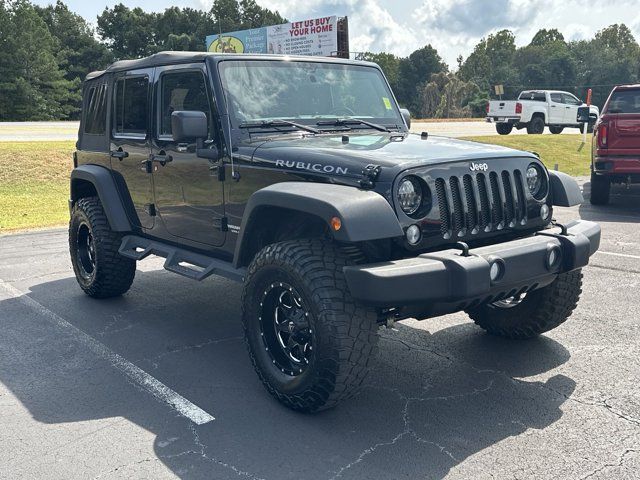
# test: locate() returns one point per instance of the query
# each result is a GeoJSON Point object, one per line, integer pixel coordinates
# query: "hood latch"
{"type": "Point", "coordinates": [370, 175]}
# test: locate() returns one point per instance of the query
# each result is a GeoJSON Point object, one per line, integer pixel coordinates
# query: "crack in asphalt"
{"type": "Point", "coordinates": [542, 386]}
{"type": "Point", "coordinates": [615, 269]}
{"type": "Point", "coordinates": [407, 431]}
{"type": "Point", "coordinates": [126, 465]}
{"type": "Point", "coordinates": [201, 452]}
{"type": "Point", "coordinates": [620, 462]}
{"type": "Point", "coordinates": [184, 348]}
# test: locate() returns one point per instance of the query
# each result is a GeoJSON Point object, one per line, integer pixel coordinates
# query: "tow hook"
{"type": "Point", "coordinates": [464, 247]}
{"type": "Point", "coordinates": [563, 228]}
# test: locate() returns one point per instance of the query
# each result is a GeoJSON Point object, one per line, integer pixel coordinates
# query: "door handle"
{"type": "Point", "coordinates": [119, 154]}
{"type": "Point", "coordinates": [162, 158]}
{"type": "Point", "coordinates": [553, 106]}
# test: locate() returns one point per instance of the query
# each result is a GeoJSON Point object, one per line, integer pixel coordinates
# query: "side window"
{"type": "Point", "coordinates": [570, 99]}
{"type": "Point", "coordinates": [95, 111]}
{"type": "Point", "coordinates": [556, 97]}
{"type": "Point", "coordinates": [182, 90]}
{"type": "Point", "coordinates": [130, 106]}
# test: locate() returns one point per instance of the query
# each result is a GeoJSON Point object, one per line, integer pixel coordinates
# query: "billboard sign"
{"type": "Point", "coordinates": [318, 36]}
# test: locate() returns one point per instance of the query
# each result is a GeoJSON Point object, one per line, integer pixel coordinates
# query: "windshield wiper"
{"type": "Point", "coordinates": [278, 123]}
{"type": "Point", "coordinates": [353, 121]}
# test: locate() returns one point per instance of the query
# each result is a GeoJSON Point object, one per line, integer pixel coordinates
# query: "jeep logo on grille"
{"type": "Point", "coordinates": [478, 167]}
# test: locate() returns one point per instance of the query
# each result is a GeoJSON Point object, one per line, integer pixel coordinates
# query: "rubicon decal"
{"type": "Point", "coordinates": [312, 167]}
{"type": "Point", "coordinates": [478, 167]}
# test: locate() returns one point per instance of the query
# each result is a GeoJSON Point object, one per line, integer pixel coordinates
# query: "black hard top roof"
{"type": "Point", "coordinates": [174, 58]}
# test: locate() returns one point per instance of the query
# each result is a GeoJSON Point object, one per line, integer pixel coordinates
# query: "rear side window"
{"type": "Point", "coordinates": [95, 111]}
{"type": "Point", "coordinates": [130, 106]}
{"type": "Point", "coordinates": [624, 101]}
{"type": "Point", "coordinates": [534, 96]}
{"type": "Point", "coordinates": [182, 90]}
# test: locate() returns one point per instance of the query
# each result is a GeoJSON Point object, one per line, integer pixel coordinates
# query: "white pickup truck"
{"type": "Point", "coordinates": [536, 108]}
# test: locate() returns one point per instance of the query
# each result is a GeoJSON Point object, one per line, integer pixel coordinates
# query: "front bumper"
{"type": "Point", "coordinates": [448, 277]}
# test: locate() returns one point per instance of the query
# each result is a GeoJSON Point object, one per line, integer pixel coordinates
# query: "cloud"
{"type": "Point", "coordinates": [476, 17]}
{"type": "Point", "coordinates": [454, 27]}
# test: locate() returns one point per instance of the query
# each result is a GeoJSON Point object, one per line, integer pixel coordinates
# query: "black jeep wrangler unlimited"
{"type": "Point", "coordinates": [298, 177]}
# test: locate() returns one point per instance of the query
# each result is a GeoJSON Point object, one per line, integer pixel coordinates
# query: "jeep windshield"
{"type": "Point", "coordinates": [327, 96]}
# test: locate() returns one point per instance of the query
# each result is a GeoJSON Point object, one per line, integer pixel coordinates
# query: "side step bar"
{"type": "Point", "coordinates": [183, 262]}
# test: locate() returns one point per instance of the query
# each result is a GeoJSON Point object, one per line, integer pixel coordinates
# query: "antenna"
{"type": "Point", "coordinates": [235, 175]}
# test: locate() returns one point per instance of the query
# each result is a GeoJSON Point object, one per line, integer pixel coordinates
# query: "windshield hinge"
{"type": "Point", "coordinates": [370, 175]}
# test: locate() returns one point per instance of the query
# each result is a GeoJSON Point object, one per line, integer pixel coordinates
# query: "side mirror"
{"type": "Point", "coordinates": [583, 115]}
{"type": "Point", "coordinates": [192, 125]}
{"type": "Point", "coordinates": [189, 125]}
{"type": "Point", "coordinates": [407, 116]}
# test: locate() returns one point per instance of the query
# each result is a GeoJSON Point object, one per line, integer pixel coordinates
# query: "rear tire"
{"type": "Point", "coordinates": [536, 125]}
{"type": "Point", "coordinates": [309, 341]}
{"type": "Point", "coordinates": [600, 189]}
{"type": "Point", "coordinates": [556, 130]}
{"type": "Point", "coordinates": [504, 128]}
{"type": "Point", "coordinates": [538, 312]}
{"type": "Point", "coordinates": [100, 270]}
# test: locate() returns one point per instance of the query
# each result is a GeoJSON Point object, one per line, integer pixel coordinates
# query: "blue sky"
{"type": "Point", "coordinates": [452, 26]}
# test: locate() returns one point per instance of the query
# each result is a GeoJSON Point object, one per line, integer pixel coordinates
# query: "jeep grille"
{"type": "Point", "coordinates": [480, 202]}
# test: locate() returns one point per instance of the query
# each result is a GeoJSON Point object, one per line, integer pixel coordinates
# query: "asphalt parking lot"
{"type": "Point", "coordinates": [444, 400]}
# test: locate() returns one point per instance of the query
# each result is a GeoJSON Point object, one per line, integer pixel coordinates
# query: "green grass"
{"type": "Point", "coordinates": [34, 184]}
{"type": "Point", "coordinates": [568, 151]}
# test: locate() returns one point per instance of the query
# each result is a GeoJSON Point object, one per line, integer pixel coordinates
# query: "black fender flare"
{"type": "Point", "coordinates": [105, 187]}
{"type": "Point", "coordinates": [565, 191]}
{"type": "Point", "coordinates": [364, 214]}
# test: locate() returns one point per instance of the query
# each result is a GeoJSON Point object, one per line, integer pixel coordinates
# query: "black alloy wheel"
{"type": "Point", "coordinates": [285, 329]}
{"type": "Point", "coordinates": [85, 251]}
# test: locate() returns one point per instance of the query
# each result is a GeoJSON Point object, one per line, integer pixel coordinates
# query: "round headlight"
{"type": "Point", "coordinates": [536, 181]}
{"type": "Point", "coordinates": [410, 195]}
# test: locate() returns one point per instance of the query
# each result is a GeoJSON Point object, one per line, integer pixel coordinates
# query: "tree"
{"type": "Point", "coordinates": [491, 62]}
{"type": "Point", "coordinates": [447, 96]}
{"type": "Point", "coordinates": [78, 51]}
{"type": "Point", "coordinates": [32, 87]}
{"type": "Point", "coordinates": [183, 29]}
{"type": "Point", "coordinates": [128, 33]}
{"type": "Point", "coordinates": [254, 16]}
{"type": "Point", "coordinates": [389, 63]}
{"type": "Point", "coordinates": [611, 57]}
{"type": "Point", "coordinates": [414, 71]}
{"type": "Point", "coordinates": [544, 37]}
{"type": "Point", "coordinates": [133, 33]}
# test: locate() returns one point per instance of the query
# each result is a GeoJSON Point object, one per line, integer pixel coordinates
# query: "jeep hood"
{"type": "Point", "coordinates": [338, 155]}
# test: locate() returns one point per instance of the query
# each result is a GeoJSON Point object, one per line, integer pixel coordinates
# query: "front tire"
{"type": "Point", "coordinates": [100, 270]}
{"type": "Point", "coordinates": [600, 189]}
{"type": "Point", "coordinates": [536, 125]}
{"type": "Point", "coordinates": [504, 128]}
{"type": "Point", "coordinates": [309, 341]}
{"type": "Point", "coordinates": [537, 312]}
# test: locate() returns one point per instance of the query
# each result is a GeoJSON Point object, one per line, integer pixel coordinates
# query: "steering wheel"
{"type": "Point", "coordinates": [342, 110]}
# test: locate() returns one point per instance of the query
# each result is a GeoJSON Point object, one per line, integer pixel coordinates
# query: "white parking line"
{"type": "Point", "coordinates": [624, 255]}
{"type": "Point", "coordinates": [158, 389]}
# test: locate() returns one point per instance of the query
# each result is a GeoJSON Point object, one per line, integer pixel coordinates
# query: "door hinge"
{"type": "Point", "coordinates": [151, 209]}
{"type": "Point", "coordinates": [222, 223]}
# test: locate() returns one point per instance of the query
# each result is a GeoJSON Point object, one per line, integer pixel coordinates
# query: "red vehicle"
{"type": "Point", "coordinates": [615, 154]}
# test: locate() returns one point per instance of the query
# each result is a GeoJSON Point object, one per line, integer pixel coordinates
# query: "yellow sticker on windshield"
{"type": "Point", "coordinates": [387, 103]}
